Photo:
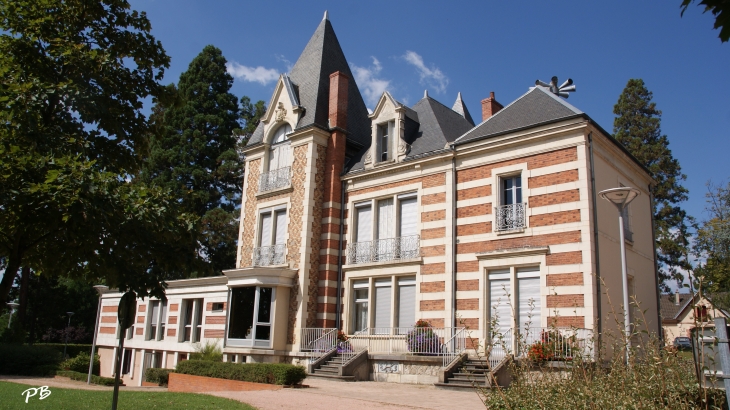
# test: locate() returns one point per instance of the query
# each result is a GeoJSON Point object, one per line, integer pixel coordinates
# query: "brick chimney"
{"type": "Point", "coordinates": [490, 106]}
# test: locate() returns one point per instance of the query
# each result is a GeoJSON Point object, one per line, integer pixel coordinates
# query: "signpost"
{"type": "Point", "coordinates": [125, 314]}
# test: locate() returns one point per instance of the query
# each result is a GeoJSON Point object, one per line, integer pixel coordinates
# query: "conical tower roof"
{"type": "Point", "coordinates": [460, 107]}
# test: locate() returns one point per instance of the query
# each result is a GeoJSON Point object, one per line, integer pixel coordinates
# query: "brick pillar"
{"type": "Point", "coordinates": [490, 106]}
{"type": "Point", "coordinates": [334, 163]}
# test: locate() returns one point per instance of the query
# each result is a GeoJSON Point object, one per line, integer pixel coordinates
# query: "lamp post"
{"type": "Point", "coordinates": [67, 326]}
{"type": "Point", "coordinates": [13, 307]}
{"type": "Point", "coordinates": [100, 289]}
{"type": "Point", "coordinates": [621, 197]}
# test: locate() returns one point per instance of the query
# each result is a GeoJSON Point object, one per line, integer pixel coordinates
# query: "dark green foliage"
{"type": "Point", "coordinates": [209, 351]}
{"type": "Point", "coordinates": [80, 363]}
{"type": "Point", "coordinates": [250, 116]}
{"type": "Point", "coordinates": [720, 9]}
{"type": "Point", "coordinates": [713, 245]}
{"type": "Point", "coordinates": [193, 155]}
{"type": "Point", "coordinates": [159, 376]}
{"type": "Point", "coordinates": [637, 127]}
{"type": "Point", "coordinates": [82, 377]}
{"type": "Point", "coordinates": [72, 350]}
{"type": "Point", "coordinates": [28, 360]}
{"type": "Point", "coordinates": [271, 373]}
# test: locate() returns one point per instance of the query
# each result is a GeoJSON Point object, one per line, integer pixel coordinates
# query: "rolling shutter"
{"type": "Point", "coordinates": [500, 309]}
{"type": "Point", "coordinates": [265, 230]}
{"type": "Point", "coordinates": [280, 227]}
{"type": "Point", "coordinates": [408, 217]}
{"type": "Point", "coordinates": [528, 282]}
{"type": "Point", "coordinates": [385, 219]}
{"type": "Point", "coordinates": [382, 303]}
{"type": "Point", "coordinates": [406, 302]}
{"type": "Point", "coordinates": [364, 224]}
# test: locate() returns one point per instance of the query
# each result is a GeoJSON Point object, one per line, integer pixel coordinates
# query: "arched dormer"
{"type": "Point", "coordinates": [279, 148]}
{"type": "Point", "coordinates": [387, 144]}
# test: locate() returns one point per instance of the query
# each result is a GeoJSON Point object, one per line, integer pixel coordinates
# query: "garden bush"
{"type": "Point", "coordinates": [82, 377]}
{"type": "Point", "coordinates": [271, 373]}
{"type": "Point", "coordinates": [159, 376]}
{"type": "Point", "coordinates": [28, 360]}
{"type": "Point", "coordinates": [210, 351]}
{"type": "Point", "coordinates": [80, 364]}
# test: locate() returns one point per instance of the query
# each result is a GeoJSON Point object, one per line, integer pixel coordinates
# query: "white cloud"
{"type": "Point", "coordinates": [366, 79]}
{"type": "Point", "coordinates": [280, 58]}
{"type": "Point", "coordinates": [258, 74]}
{"type": "Point", "coordinates": [433, 77]}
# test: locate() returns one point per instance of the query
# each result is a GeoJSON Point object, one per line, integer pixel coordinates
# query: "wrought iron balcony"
{"type": "Point", "coordinates": [278, 178]}
{"type": "Point", "coordinates": [405, 247]}
{"type": "Point", "coordinates": [269, 255]}
{"type": "Point", "coordinates": [510, 217]}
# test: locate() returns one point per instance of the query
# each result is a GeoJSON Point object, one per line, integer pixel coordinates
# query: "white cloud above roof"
{"type": "Point", "coordinates": [258, 74]}
{"type": "Point", "coordinates": [433, 76]}
{"type": "Point", "coordinates": [368, 82]}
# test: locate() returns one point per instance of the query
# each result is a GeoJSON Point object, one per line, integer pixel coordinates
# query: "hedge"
{"type": "Point", "coordinates": [80, 364]}
{"type": "Point", "coordinates": [82, 377]}
{"type": "Point", "coordinates": [271, 373]}
{"type": "Point", "coordinates": [159, 376]}
{"type": "Point", "coordinates": [72, 350]}
{"type": "Point", "coordinates": [28, 360]}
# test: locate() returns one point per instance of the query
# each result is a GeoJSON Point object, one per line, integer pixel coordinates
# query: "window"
{"type": "Point", "coordinates": [385, 134]}
{"type": "Point", "coordinates": [510, 214]}
{"type": "Point", "coordinates": [217, 307]}
{"type": "Point", "coordinates": [156, 320]}
{"type": "Point", "coordinates": [279, 165]}
{"type": "Point", "coordinates": [272, 237]}
{"type": "Point", "coordinates": [126, 361]}
{"type": "Point", "coordinates": [130, 332]}
{"type": "Point", "coordinates": [390, 234]}
{"type": "Point", "coordinates": [526, 300]}
{"type": "Point", "coordinates": [251, 318]}
{"type": "Point", "coordinates": [192, 321]}
{"type": "Point", "coordinates": [382, 317]}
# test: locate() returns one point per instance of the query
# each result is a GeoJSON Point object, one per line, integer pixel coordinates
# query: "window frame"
{"type": "Point", "coordinates": [158, 322]}
{"type": "Point", "coordinates": [385, 134]}
{"type": "Point", "coordinates": [513, 276]}
{"type": "Point", "coordinates": [252, 343]}
{"type": "Point", "coordinates": [195, 324]}
{"type": "Point", "coordinates": [273, 210]}
{"type": "Point", "coordinates": [501, 198]}
{"type": "Point", "coordinates": [374, 219]}
{"type": "Point", "coordinates": [394, 282]}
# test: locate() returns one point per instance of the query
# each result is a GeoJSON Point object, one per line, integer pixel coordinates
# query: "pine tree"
{"type": "Point", "coordinates": [638, 128]}
{"type": "Point", "coordinates": [193, 153]}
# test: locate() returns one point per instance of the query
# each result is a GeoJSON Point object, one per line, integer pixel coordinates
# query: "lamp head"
{"type": "Point", "coordinates": [100, 289]}
{"type": "Point", "coordinates": [620, 196]}
{"type": "Point", "coordinates": [70, 313]}
{"type": "Point", "coordinates": [13, 305]}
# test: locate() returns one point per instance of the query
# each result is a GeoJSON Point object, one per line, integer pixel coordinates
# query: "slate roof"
{"type": "Point", "coordinates": [535, 107]}
{"type": "Point", "coordinates": [669, 310]}
{"type": "Point", "coordinates": [321, 57]}
{"type": "Point", "coordinates": [460, 108]}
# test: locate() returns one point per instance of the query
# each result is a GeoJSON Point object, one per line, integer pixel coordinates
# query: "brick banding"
{"type": "Point", "coordinates": [433, 268]}
{"type": "Point", "coordinates": [108, 319]}
{"type": "Point", "coordinates": [555, 218]}
{"type": "Point", "coordinates": [213, 333]}
{"type": "Point", "coordinates": [555, 198]}
{"type": "Point", "coordinates": [474, 229]}
{"type": "Point", "coordinates": [431, 287]}
{"type": "Point", "coordinates": [474, 210]}
{"type": "Point", "coordinates": [215, 320]}
{"type": "Point", "coordinates": [435, 322]}
{"type": "Point", "coordinates": [536, 240]}
{"type": "Point", "coordinates": [559, 301]}
{"type": "Point", "coordinates": [564, 279]}
{"type": "Point", "coordinates": [433, 233]}
{"type": "Point", "coordinates": [109, 309]}
{"type": "Point", "coordinates": [438, 250]}
{"type": "Point", "coordinates": [430, 305]}
{"type": "Point", "coordinates": [433, 199]}
{"type": "Point", "coordinates": [470, 323]}
{"type": "Point", "coordinates": [567, 321]}
{"type": "Point", "coordinates": [476, 192]}
{"type": "Point", "coordinates": [467, 304]}
{"type": "Point", "coordinates": [172, 320]}
{"type": "Point", "coordinates": [564, 258]}
{"type": "Point", "coordinates": [439, 215]}
{"type": "Point", "coordinates": [471, 284]}
{"type": "Point", "coordinates": [469, 266]}
{"type": "Point", "coordinates": [553, 179]}
{"type": "Point", "coordinates": [107, 330]}
{"type": "Point", "coordinates": [533, 162]}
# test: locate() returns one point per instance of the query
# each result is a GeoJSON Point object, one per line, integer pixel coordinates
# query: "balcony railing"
{"type": "Point", "coordinates": [278, 178]}
{"type": "Point", "coordinates": [269, 255]}
{"type": "Point", "coordinates": [510, 217]}
{"type": "Point", "coordinates": [318, 341]}
{"type": "Point", "coordinates": [405, 247]}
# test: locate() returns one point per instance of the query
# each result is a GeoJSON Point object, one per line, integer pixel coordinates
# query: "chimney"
{"type": "Point", "coordinates": [676, 297]}
{"type": "Point", "coordinates": [338, 100]}
{"type": "Point", "coordinates": [490, 106]}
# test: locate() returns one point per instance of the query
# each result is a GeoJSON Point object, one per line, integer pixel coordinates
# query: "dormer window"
{"type": "Point", "coordinates": [385, 134]}
{"type": "Point", "coordinates": [279, 165]}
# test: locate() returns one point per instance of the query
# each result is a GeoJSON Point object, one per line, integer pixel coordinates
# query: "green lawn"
{"type": "Point", "coordinates": [12, 397]}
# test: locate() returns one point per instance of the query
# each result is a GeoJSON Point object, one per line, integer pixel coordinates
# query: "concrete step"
{"type": "Point", "coordinates": [332, 377]}
{"type": "Point", "coordinates": [457, 387]}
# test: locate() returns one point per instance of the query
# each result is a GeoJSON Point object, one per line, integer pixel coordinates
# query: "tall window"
{"type": "Point", "coordinates": [192, 321]}
{"type": "Point", "coordinates": [390, 234]}
{"type": "Point", "coordinates": [279, 156]}
{"type": "Point", "coordinates": [385, 134]}
{"type": "Point", "coordinates": [385, 291]}
{"type": "Point", "coordinates": [156, 320]}
{"type": "Point", "coordinates": [251, 316]}
{"type": "Point", "coordinates": [127, 361]}
{"type": "Point", "coordinates": [360, 300]}
{"type": "Point", "coordinates": [526, 301]}
{"type": "Point", "coordinates": [510, 214]}
{"type": "Point", "coordinates": [272, 237]}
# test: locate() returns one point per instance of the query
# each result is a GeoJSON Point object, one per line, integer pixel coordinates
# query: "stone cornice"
{"type": "Point", "coordinates": [261, 275]}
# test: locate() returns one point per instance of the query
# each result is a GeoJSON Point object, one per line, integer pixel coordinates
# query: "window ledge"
{"type": "Point", "coordinates": [397, 262]}
{"type": "Point", "coordinates": [512, 252]}
{"type": "Point", "coordinates": [273, 192]}
{"type": "Point", "coordinates": [511, 232]}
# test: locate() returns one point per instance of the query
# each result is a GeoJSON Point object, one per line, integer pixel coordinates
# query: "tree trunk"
{"type": "Point", "coordinates": [23, 308]}
{"type": "Point", "coordinates": [11, 271]}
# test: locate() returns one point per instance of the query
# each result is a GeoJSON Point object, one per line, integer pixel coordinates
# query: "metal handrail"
{"type": "Point", "coordinates": [454, 347]}
{"type": "Point", "coordinates": [404, 247]}
{"type": "Point", "coordinates": [318, 341]}
{"type": "Point", "coordinates": [278, 178]}
{"type": "Point", "coordinates": [269, 255]}
{"type": "Point", "coordinates": [510, 217]}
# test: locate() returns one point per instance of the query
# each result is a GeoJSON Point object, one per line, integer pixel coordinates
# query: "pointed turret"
{"type": "Point", "coordinates": [460, 107]}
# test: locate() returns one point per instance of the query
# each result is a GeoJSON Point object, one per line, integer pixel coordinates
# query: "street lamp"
{"type": "Point", "coordinates": [67, 326]}
{"type": "Point", "coordinates": [621, 198]}
{"type": "Point", "coordinates": [13, 307]}
{"type": "Point", "coordinates": [100, 289]}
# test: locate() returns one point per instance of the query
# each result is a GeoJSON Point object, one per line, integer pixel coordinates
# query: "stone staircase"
{"type": "Point", "coordinates": [472, 373]}
{"type": "Point", "coordinates": [331, 370]}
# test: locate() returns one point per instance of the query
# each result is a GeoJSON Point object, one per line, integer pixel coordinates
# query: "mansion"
{"type": "Point", "coordinates": [368, 222]}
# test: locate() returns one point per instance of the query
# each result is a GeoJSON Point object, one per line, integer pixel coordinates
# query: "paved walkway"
{"type": "Point", "coordinates": [322, 394]}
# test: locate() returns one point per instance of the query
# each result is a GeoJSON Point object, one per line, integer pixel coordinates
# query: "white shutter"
{"type": "Point", "coordinates": [500, 300]}
{"type": "Point", "coordinates": [382, 303]}
{"type": "Point", "coordinates": [265, 230]}
{"type": "Point", "coordinates": [408, 217]}
{"type": "Point", "coordinates": [280, 227]}
{"type": "Point", "coordinates": [385, 219]}
{"type": "Point", "coordinates": [406, 302]}
{"type": "Point", "coordinates": [274, 159]}
{"type": "Point", "coordinates": [364, 224]}
{"type": "Point", "coordinates": [529, 308]}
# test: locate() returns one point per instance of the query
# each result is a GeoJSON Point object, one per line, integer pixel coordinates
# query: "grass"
{"type": "Point", "coordinates": [71, 399]}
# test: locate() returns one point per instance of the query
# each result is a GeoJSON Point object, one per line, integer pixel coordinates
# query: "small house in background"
{"type": "Point", "coordinates": [679, 317]}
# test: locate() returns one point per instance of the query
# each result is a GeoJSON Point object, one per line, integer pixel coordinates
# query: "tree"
{"type": "Point", "coordinates": [720, 9]}
{"type": "Point", "coordinates": [637, 127]}
{"type": "Point", "coordinates": [712, 243]}
{"type": "Point", "coordinates": [74, 76]}
{"type": "Point", "coordinates": [251, 114]}
{"type": "Point", "coordinates": [193, 154]}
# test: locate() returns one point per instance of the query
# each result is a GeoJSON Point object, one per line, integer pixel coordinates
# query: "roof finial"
{"type": "Point", "coordinates": [326, 15]}
{"type": "Point", "coordinates": [562, 90]}
{"type": "Point", "coordinates": [425, 93]}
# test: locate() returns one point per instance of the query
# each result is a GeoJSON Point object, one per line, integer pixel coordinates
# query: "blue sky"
{"type": "Point", "coordinates": [477, 47]}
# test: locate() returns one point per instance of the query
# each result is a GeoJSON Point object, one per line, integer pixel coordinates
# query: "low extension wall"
{"type": "Point", "coordinates": [186, 383]}
{"type": "Point", "coordinates": [405, 369]}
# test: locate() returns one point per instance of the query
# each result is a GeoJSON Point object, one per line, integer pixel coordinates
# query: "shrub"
{"type": "Point", "coordinates": [422, 339]}
{"type": "Point", "coordinates": [159, 376]}
{"type": "Point", "coordinates": [80, 364]}
{"type": "Point", "coordinates": [210, 351]}
{"type": "Point", "coordinates": [82, 377]}
{"type": "Point", "coordinates": [28, 360]}
{"type": "Point", "coordinates": [271, 373]}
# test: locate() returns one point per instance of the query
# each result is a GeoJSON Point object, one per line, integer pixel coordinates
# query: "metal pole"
{"type": "Point", "coordinates": [65, 343]}
{"type": "Point", "coordinates": [721, 333]}
{"type": "Point", "coordinates": [117, 366]}
{"type": "Point", "coordinates": [93, 345]}
{"type": "Point", "coordinates": [625, 277]}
